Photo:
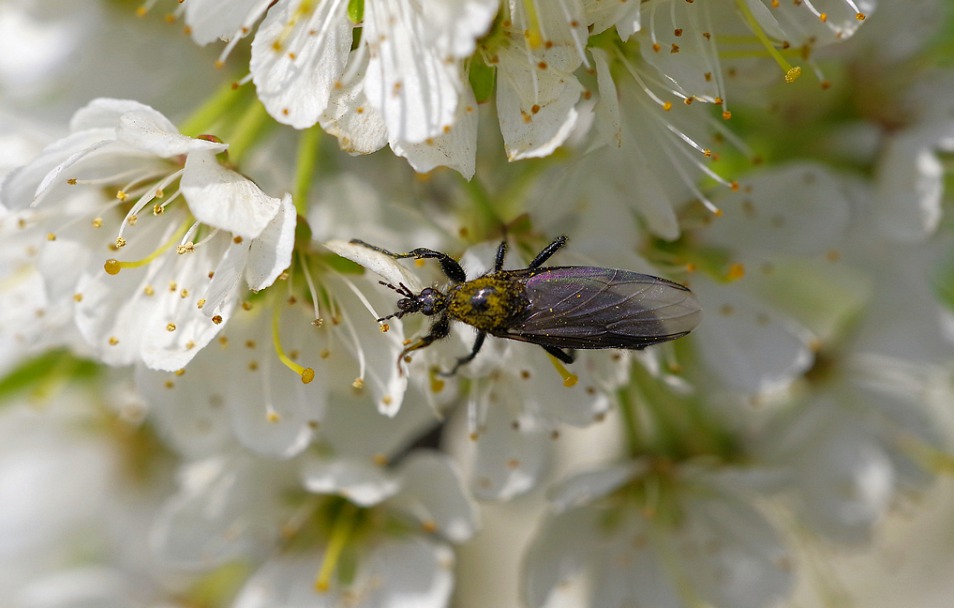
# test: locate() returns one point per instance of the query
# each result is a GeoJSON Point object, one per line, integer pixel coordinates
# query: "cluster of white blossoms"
{"type": "Point", "coordinates": [209, 401]}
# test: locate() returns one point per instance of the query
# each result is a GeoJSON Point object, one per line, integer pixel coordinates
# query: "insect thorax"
{"type": "Point", "coordinates": [490, 303]}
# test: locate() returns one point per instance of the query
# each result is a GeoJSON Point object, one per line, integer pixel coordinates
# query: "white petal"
{"type": "Point", "coordinates": [587, 488]}
{"type": "Point", "coordinates": [801, 24]}
{"type": "Point", "coordinates": [363, 483]}
{"type": "Point", "coordinates": [298, 55]}
{"type": "Point", "coordinates": [456, 148]}
{"type": "Point", "coordinates": [409, 573]}
{"type": "Point", "coordinates": [604, 14]}
{"type": "Point", "coordinates": [432, 487]}
{"type": "Point", "coordinates": [694, 69]}
{"type": "Point", "coordinates": [226, 279]}
{"type": "Point", "coordinates": [799, 208]}
{"type": "Point", "coordinates": [753, 347]}
{"type": "Point", "coordinates": [455, 25]}
{"type": "Point", "coordinates": [512, 455]}
{"type": "Point", "coordinates": [350, 117]}
{"type": "Point", "coordinates": [536, 107]}
{"type": "Point", "coordinates": [608, 119]}
{"type": "Point", "coordinates": [384, 266]}
{"type": "Point", "coordinates": [228, 509]}
{"type": "Point", "coordinates": [560, 550]}
{"type": "Point", "coordinates": [150, 131]}
{"type": "Point", "coordinates": [270, 254]}
{"type": "Point", "coordinates": [211, 20]}
{"type": "Point", "coordinates": [414, 86]}
{"type": "Point", "coordinates": [536, 89]}
{"type": "Point", "coordinates": [732, 554]}
{"type": "Point", "coordinates": [910, 184]}
{"type": "Point", "coordinates": [222, 198]}
{"type": "Point", "coordinates": [104, 113]}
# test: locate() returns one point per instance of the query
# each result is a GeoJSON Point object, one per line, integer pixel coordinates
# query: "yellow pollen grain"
{"type": "Point", "coordinates": [237, 240]}
{"type": "Point", "coordinates": [77, 297]}
{"type": "Point", "coordinates": [272, 416]}
{"type": "Point", "coordinates": [358, 384]}
{"type": "Point", "coordinates": [180, 371]}
{"type": "Point", "coordinates": [325, 353]}
{"type": "Point", "coordinates": [429, 526]}
{"type": "Point", "coordinates": [71, 181]}
{"type": "Point", "coordinates": [656, 47]}
{"type": "Point", "coordinates": [223, 341]}
{"type": "Point", "coordinates": [217, 319]}
{"type": "Point", "coordinates": [736, 271]}
{"type": "Point", "coordinates": [860, 16]}
{"type": "Point", "coordinates": [387, 401]}
{"type": "Point", "coordinates": [158, 209]}
{"type": "Point", "coordinates": [120, 242]}
{"type": "Point", "coordinates": [112, 266]}
{"type": "Point", "coordinates": [170, 326]}
{"type": "Point", "coordinates": [184, 293]}
{"type": "Point", "coordinates": [113, 340]}
{"type": "Point", "coordinates": [200, 304]}
{"type": "Point", "coordinates": [253, 366]}
{"type": "Point", "coordinates": [384, 327]}
{"type": "Point", "coordinates": [97, 222]}
{"type": "Point", "coordinates": [246, 306]}
{"type": "Point", "coordinates": [121, 195]}
{"type": "Point", "coordinates": [50, 236]}
{"type": "Point", "coordinates": [380, 459]}
{"type": "Point", "coordinates": [674, 48]}
{"type": "Point", "coordinates": [148, 290]}
{"type": "Point", "coordinates": [250, 344]}
{"type": "Point", "coordinates": [133, 219]}
{"type": "Point", "coordinates": [677, 31]}
{"type": "Point", "coordinates": [823, 17]}
{"type": "Point", "coordinates": [726, 115]}
{"type": "Point", "coordinates": [169, 384]}
{"type": "Point", "coordinates": [667, 105]}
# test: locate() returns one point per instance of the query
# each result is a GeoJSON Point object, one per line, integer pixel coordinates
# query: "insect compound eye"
{"type": "Point", "coordinates": [427, 301]}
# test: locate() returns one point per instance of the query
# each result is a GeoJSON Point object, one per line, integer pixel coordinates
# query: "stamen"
{"type": "Point", "coordinates": [569, 378]}
{"type": "Point", "coordinates": [791, 72]}
{"type": "Point", "coordinates": [311, 285]}
{"type": "Point", "coordinates": [307, 374]}
{"type": "Point", "coordinates": [113, 266]}
{"type": "Point", "coordinates": [341, 533]}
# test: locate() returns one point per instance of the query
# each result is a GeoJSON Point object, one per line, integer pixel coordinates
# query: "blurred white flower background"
{"type": "Point", "coordinates": [200, 408]}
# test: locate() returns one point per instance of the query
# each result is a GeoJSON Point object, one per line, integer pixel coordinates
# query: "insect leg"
{"type": "Point", "coordinates": [449, 265]}
{"type": "Point", "coordinates": [440, 329]}
{"type": "Point", "coordinates": [549, 250]}
{"type": "Point", "coordinates": [501, 254]}
{"type": "Point", "coordinates": [473, 353]}
{"type": "Point", "coordinates": [562, 355]}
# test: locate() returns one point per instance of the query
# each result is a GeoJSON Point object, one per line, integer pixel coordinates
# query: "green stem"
{"type": "Point", "coordinates": [305, 168]}
{"type": "Point", "coordinates": [208, 114]}
{"type": "Point", "coordinates": [247, 130]}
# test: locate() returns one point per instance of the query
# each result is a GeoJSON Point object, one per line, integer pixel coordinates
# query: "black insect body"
{"type": "Point", "coordinates": [557, 307]}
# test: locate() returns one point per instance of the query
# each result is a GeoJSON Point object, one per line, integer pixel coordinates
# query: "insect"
{"type": "Point", "coordinates": [557, 307]}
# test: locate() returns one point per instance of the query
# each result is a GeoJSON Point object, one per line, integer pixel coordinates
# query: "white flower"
{"type": "Point", "coordinates": [391, 520]}
{"type": "Point", "coordinates": [412, 79]}
{"type": "Point", "coordinates": [164, 314]}
{"type": "Point", "coordinates": [776, 254]}
{"type": "Point", "coordinates": [632, 535]}
{"type": "Point", "coordinates": [535, 58]}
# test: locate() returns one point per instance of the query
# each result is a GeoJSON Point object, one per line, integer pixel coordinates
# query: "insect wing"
{"type": "Point", "coordinates": [590, 307]}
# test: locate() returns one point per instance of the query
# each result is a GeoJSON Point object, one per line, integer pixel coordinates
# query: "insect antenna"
{"type": "Point", "coordinates": [402, 290]}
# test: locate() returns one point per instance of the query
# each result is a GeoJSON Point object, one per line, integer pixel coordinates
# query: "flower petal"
{"type": "Point", "coordinates": [222, 198]}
